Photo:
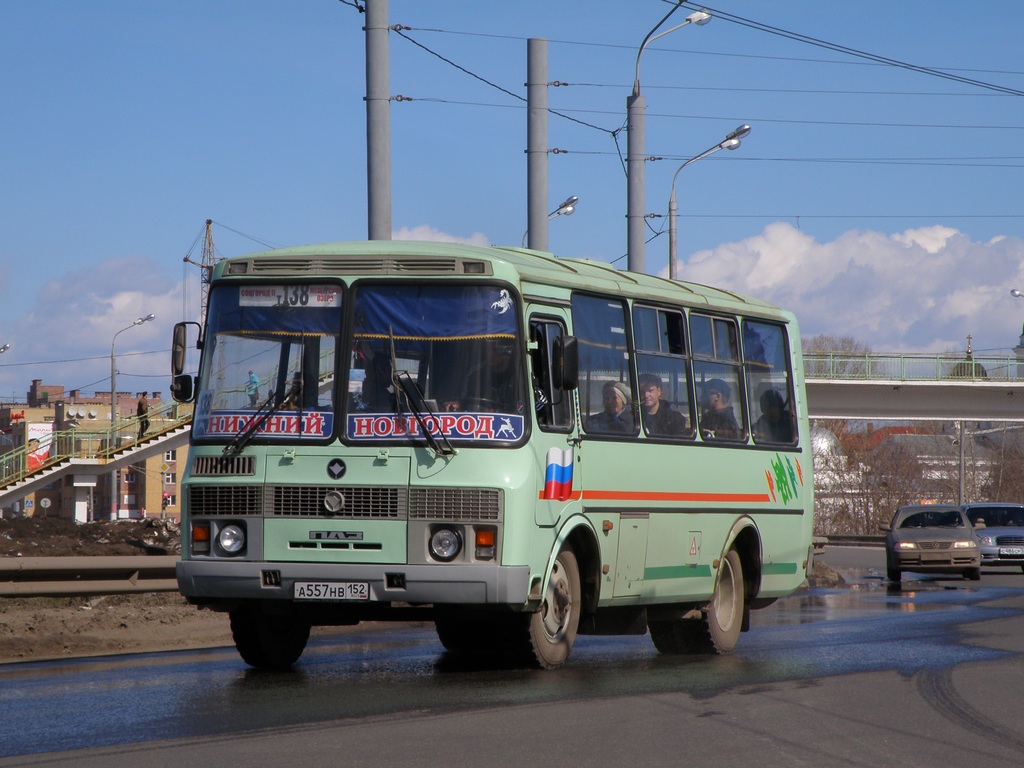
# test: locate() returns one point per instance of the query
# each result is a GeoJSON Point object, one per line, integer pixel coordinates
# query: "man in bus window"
{"type": "Point", "coordinates": [657, 415]}
{"type": "Point", "coordinates": [717, 420]}
{"type": "Point", "coordinates": [775, 423]}
{"type": "Point", "coordinates": [617, 415]}
{"type": "Point", "coordinates": [252, 389]}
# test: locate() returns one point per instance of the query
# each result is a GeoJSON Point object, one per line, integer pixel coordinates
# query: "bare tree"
{"type": "Point", "coordinates": [829, 355]}
{"type": "Point", "coordinates": [1005, 481]}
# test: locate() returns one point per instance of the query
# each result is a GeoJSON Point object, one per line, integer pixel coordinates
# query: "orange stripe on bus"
{"type": "Point", "coordinates": [746, 498]}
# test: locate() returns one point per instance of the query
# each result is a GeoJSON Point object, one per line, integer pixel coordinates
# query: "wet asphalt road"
{"type": "Point", "coordinates": [930, 674]}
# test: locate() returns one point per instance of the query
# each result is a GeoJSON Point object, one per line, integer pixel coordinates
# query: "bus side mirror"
{"type": "Point", "coordinates": [182, 385]}
{"type": "Point", "coordinates": [179, 346]}
{"type": "Point", "coordinates": [565, 365]}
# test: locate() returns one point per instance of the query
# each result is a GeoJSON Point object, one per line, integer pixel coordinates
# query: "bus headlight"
{"type": "Point", "coordinates": [445, 544]}
{"type": "Point", "coordinates": [231, 539]}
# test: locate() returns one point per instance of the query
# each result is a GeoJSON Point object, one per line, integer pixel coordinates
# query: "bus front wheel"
{"type": "Point", "coordinates": [267, 641]}
{"type": "Point", "coordinates": [553, 627]}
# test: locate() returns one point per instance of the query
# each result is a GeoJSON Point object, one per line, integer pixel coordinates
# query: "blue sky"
{"type": "Point", "coordinates": [875, 201]}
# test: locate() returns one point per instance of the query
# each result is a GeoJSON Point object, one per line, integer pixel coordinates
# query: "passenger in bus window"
{"type": "Point", "coordinates": [617, 415]}
{"type": "Point", "coordinates": [775, 424]}
{"type": "Point", "coordinates": [717, 420]}
{"type": "Point", "coordinates": [656, 414]}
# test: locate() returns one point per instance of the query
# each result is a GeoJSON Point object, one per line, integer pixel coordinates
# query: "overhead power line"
{"type": "Point", "coordinates": [873, 57]}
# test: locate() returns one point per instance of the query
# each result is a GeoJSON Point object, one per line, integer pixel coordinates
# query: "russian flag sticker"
{"type": "Point", "coordinates": [558, 476]}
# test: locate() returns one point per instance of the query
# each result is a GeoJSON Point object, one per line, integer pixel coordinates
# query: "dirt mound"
{"type": "Point", "coordinates": [52, 537]}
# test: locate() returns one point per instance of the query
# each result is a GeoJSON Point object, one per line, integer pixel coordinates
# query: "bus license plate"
{"type": "Point", "coordinates": [332, 590]}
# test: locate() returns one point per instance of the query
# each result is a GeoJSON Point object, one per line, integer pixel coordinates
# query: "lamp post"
{"type": "Point", "coordinates": [567, 208]}
{"type": "Point", "coordinates": [731, 141]}
{"type": "Point", "coordinates": [113, 408]}
{"type": "Point", "coordinates": [635, 106]}
{"type": "Point", "coordinates": [1019, 349]}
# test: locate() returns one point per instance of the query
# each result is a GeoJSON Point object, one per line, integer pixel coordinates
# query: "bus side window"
{"type": "Point", "coordinates": [769, 382]}
{"type": "Point", "coordinates": [552, 405]}
{"type": "Point", "coordinates": [606, 391]}
{"type": "Point", "coordinates": [717, 377]}
{"type": "Point", "coordinates": [664, 387]}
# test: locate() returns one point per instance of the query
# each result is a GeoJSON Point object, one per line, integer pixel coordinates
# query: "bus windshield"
{"type": "Point", "coordinates": [270, 358]}
{"type": "Point", "coordinates": [450, 353]}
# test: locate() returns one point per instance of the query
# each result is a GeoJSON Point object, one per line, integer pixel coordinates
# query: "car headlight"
{"type": "Point", "coordinates": [988, 541]}
{"type": "Point", "coordinates": [231, 539]}
{"type": "Point", "coordinates": [964, 544]}
{"type": "Point", "coordinates": [445, 544]}
{"type": "Point", "coordinates": [906, 545]}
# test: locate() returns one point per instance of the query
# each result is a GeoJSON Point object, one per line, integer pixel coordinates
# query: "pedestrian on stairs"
{"type": "Point", "coordinates": [142, 411]}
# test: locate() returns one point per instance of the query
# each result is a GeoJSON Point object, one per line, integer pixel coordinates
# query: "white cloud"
{"type": "Point", "coordinates": [924, 289]}
{"type": "Point", "coordinates": [428, 233]}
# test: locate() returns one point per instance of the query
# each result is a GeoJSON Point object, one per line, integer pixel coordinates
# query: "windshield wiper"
{"type": "Point", "coordinates": [267, 408]}
{"type": "Point", "coordinates": [416, 403]}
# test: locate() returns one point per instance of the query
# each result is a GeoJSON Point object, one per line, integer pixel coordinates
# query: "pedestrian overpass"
{"type": "Point", "coordinates": [945, 387]}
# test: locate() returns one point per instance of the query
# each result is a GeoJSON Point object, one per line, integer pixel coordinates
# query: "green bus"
{"type": "Point", "coordinates": [518, 447]}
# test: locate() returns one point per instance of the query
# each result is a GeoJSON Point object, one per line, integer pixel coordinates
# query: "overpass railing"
{"type": "Point", "coordinates": [913, 367]}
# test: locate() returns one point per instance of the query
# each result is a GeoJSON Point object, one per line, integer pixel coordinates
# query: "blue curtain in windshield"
{"type": "Point", "coordinates": [436, 312]}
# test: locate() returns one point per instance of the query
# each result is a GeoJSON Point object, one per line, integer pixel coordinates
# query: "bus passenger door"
{"type": "Point", "coordinates": [555, 430]}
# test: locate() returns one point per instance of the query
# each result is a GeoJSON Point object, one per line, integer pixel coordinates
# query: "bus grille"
{"type": "Point", "coordinates": [357, 265]}
{"type": "Point", "coordinates": [455, 504]}
{"type": "Point", "coordinates": [368, 502]}
{"type": "Point", "coordinates": [218, 466]}
{"type": "Point", "coordinates": [360, 501]}
{"type": "Point", "coordinates": [225, 500]}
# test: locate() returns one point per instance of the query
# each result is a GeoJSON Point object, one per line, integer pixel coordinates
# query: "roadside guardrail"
{"type": "Point", "coordinates": [66, 576]}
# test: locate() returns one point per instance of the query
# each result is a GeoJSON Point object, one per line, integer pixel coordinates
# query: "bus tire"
{"type": "Point", "coordinates": [552, 628]}
{"type": "Point", "coordinates": [724, 614]}
{"type": "Point", "coordinates": [268, 642]}
{"type": "Point", "coordinates": [718, 629]}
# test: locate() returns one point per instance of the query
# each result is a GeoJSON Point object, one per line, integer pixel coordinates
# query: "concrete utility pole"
{"type": "Point", "coordinates": [636, 106]}
{"type": "Point", "coordinates": [378, 122]}
{"type": "Point", "coordinates": [537, 143]}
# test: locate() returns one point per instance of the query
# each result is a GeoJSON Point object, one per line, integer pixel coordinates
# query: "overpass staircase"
{"type": "Point", "coordinates": [88, 451]}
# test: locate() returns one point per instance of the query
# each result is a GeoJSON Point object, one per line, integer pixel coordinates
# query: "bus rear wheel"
{"type": "Point", "coordinates": [266, 641]}
{"type": "Point", "coordinates": [718, 629]}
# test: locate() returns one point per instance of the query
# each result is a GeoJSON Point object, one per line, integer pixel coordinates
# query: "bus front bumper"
{"type": "Point", "coordinates": [214, 580]}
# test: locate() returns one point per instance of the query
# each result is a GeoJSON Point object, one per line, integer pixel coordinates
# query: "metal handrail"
{"type": "Point", "coordinates": [947, 366]}
{"type": "Point", "coordinates": [86, 443]}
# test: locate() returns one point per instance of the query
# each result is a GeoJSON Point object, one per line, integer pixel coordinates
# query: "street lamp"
{"type": "Point", "coordinates": [731, 141]}
{"type": "Point", "coordinates": [635, 106]}
{"type": "Point", "coordinates": [4, 348]}
{"type": "Point", "coordinates": [566, 208]}
{"type": "Point", "coordinates": [113, 408]}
